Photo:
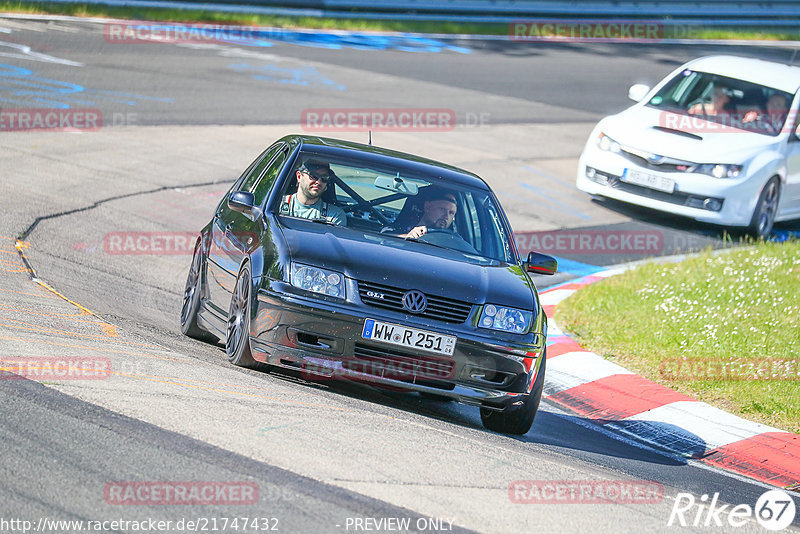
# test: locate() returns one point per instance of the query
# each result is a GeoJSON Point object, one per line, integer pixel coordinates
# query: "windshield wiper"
{"type": "Point", "coordinates": [416, 240]}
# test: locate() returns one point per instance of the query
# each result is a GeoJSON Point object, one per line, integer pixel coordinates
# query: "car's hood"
{"type": "Point", "coordinates": [683, 137]}
{"type": "Point", "coordinates": [408, 265]}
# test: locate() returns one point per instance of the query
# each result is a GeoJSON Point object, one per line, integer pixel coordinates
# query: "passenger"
{"type": "Point", "coordinates": [313, 177]}
{"type": "Point", "coordinates": [777, 110]}
{"type": "Point", "coordinates": [775, 116]}
{"type": "Point", "coordinates": [438, 212]}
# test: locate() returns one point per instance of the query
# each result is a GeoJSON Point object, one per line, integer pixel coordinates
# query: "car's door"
{"type": "Point", "coordinates": [790, 201]}
{"type": "Point", "coordinates": [233, 234]}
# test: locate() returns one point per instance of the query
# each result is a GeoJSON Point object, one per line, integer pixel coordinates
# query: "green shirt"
{"type": "Point", "coordinates": [294, 208]}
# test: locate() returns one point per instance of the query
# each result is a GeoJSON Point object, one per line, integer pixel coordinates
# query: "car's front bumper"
{"type": "Point", "coordinates": [695, 195]}
{"type": "Point", "coordinates": [323, 339]}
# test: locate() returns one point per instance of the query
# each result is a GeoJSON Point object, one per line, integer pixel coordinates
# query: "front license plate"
{"type": "Point", "coordinates": [409, 337]}
{"type": "Point", "coordinates": [653, 181]}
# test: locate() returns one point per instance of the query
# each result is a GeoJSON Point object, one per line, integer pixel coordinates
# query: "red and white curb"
{"type": "Point", "coordinates": [613, 397]}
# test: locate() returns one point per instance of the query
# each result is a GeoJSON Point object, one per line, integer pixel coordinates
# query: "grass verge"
{"type": "Point", "coordinates": [354, 23]}
{"type": "Point", "coordinates": [724, 329]}
{"type": "Point", "coordinates": [244, 19]}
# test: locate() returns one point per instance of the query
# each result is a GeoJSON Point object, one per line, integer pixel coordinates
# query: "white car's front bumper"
{"type": "Point", "coordinates": [695, 195]}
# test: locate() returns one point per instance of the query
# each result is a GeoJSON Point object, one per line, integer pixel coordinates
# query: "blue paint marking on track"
{"type": "Point", "coordinates": [306, 76]}
{"type": "Point", "coordinates": [266, 37]}
{"type": "Point", "coordinates": [556, 180]}
{"type": "Point", "coordinates": [366, 41]}
{"type": "Point", "coordinates": [517, 197]}
{"type": "Point", "coordinates": [575, 267]}
{"type": "Point", "coordinates": [543, 174]}
{"type": "Point", "coordinates": [779, 236]}
{"type": "Point", "coordinates": [29, 89]}
{"type": "Point", "coordinates": [554, 200]}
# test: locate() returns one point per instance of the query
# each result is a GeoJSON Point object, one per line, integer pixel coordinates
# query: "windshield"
{"type": "Point", "coordinates": [397, 204]}
{"type": "Point", "coordinates": [725, 101]}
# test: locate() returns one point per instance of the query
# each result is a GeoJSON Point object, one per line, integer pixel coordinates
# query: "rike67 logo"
{"type": "Point", "coordinates": [774, 510]}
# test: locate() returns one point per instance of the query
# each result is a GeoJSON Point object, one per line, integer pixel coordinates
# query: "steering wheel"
{"type": "Point", "coordinates": [697, 101]}
{"type": "Point", "coordinates": [445, 237]}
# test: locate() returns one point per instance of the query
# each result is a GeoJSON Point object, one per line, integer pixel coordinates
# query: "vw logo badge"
{"type": "Point", "coordinates": [655, 159]}
{"type": "Point", "coordinates": [415, 301]}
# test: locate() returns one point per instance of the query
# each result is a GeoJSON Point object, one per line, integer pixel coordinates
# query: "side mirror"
{"type": "Point", "coordinates": [541, 264]}
{"type": "Point", "coordinates": [638, 91]}
{"type": "Point", "coordinates": [244, 202]}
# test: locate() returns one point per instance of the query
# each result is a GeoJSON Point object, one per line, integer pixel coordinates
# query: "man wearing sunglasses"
{"type": "Point", "coordinates": [312, 181]}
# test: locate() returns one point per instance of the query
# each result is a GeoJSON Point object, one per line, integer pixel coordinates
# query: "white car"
{"type": "Point", "coordinates": [716, 140]}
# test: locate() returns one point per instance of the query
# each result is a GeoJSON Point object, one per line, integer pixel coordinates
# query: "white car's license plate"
{"type": "Point", "coordinates": [412, 338]}
{"type": "Point", "coordinates": [652, 181]}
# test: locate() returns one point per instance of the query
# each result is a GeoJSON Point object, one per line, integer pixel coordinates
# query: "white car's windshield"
{"type": "Point", "coordinates": [725, 101]}
{"type": "Point", "coordinates": [393, 202]}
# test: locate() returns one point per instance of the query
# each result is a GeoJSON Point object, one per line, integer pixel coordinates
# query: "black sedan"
{"type": "Point", "coordinates": [350, 261]}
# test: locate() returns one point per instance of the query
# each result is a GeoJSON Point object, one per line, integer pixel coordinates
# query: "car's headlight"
{"type": "Point", "coordinates": [317, 280]}
{"type": "Point", "coordinates": [718, 170]}
{"type": "Point", "coordinates": [606, 143]}
{"type": "Point", "coordinates": [505, 319]}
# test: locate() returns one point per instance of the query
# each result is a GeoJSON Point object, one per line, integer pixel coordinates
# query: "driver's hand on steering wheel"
{"type": "Point", "coordinates": [416, 232]}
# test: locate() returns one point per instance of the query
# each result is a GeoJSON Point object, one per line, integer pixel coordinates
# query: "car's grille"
{"type": "Point", "coordinates": [390, 363]}
{"type": "Point", "coordinates": [391, 298]}
{"type": "Point", "coordinates": [664, 167]}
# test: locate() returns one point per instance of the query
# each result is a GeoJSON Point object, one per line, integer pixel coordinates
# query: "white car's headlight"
{"type": "Point", "coordinates": [505, 319]}
{"type": "Point", "coordinates": [317, 280]}
{"type": "Point", "coordinates": [719, 170]}
{"type": "Point", "coordinates": [604, 142]}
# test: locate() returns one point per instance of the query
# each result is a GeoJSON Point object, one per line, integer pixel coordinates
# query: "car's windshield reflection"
{"type": "Point", "coordinates": [397, 205]}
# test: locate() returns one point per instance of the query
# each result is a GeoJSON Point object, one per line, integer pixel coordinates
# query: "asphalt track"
{"type": "Point", "coordinates": [180, 121]}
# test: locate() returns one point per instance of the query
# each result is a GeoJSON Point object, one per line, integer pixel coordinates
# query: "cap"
{"type": "Point", "coordinates": [437, 193]}
{"type": "Point", "coordinates": [314, 163]}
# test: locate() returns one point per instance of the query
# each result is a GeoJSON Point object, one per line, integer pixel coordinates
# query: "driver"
{"type": "Point", "coordinates": [438, 212]}
{"type": "Point", "coordinates": [720, 99]}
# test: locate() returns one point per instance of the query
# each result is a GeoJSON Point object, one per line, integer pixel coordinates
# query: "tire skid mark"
{"type": "Point", "coordinates": [21, 243]}
{"type": "Point", "coordinates": [45, 330]}
{"type": "Point", "coordinates": [40, 295]}
{"type": "Point", "coordinates": [94, 349]}
{"type": "Point", "coordinates": [74, 316]}
{"type": "Point", "coordinates": [177, 382]}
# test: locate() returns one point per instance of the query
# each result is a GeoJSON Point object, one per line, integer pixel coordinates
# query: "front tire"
{"type": "Point", "coordinates": [766, 209]}
{"type": "Point", "coordinates": [192, 295]}
{"type": "Point", "coordinates": [237, 340]}
{"type": "Point", "coordinates": [517, 420]}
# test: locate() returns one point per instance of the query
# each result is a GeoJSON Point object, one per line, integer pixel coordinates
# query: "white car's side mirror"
{"type": "Point", "coordinates": [638, 91]}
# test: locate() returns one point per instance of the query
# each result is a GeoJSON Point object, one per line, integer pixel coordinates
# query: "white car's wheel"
{"type": "Point", "coordinates": [767, 207]}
